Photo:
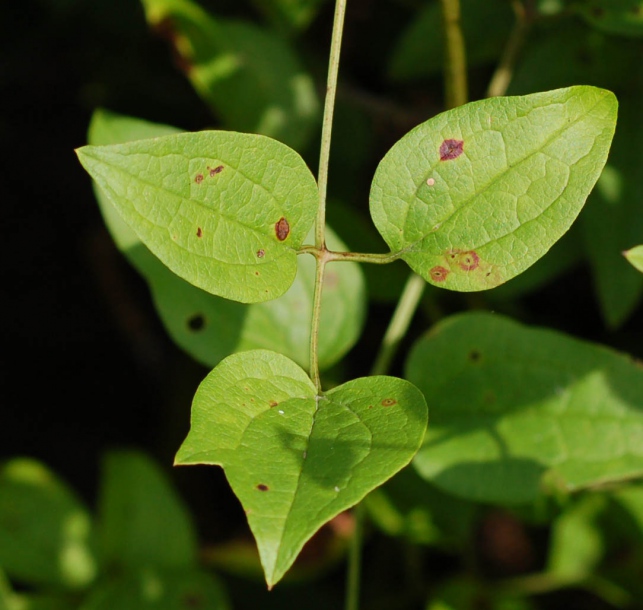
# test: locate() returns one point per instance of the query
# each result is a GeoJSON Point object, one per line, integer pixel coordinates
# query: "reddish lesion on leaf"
{"type": "Point", "coordinates": [467, 260]}
{"type": "Point", "coordinates": [389, 402]}
{"type": "Point", "coordinates": [262, 487]}
{"type": "Point", "coordinates": [198, 178]}
{"type": "Point", "coordinates": [260, 253]}
{"type": "Point", "coordinates": [282, 229]}
{"type": "Point", "coordinates": [199, 232]}
{"type": "Point", "coordinates": [215, 170]}
{"type": "Point", "coordinates": [438, 273]}
{"type": "Point", "coordinates": [451, 149]}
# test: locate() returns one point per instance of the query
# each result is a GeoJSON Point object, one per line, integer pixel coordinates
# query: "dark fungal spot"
{"type": "Point", "coordinates": [196, 322]}
{"type": "Point", "coordinates": [262, 487]}
{"type": "Point", "coordinates": [389, 402]}
{"type": "Point", "coordinates": [199, 232]}
{"type": "Point", "coordinates": [438, 274]}
{"type": "Point", "coordinates": [282, 229]}
{"type": "Point", "coordinates": [215, 170]}
{"type": "Point", "coordinates": [474, 355]}
{"type": "Point", "coordinates": [260, 253]}
{"type": "Point", "coordinates": [273, 403]}
{"type": "Point", "coordinates": [198, 178]}
{"type": "Point", "coordinates": [450, 149]}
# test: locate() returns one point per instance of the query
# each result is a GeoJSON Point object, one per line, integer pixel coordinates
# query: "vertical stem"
{"type": "Point", "coordinates": [399, 323]}
{"type": "Point", "coordinates": [455, 65]}
{"type": "Point", "coordinates": [355, 560]}
{"type": "Point", "coordinates": [327, 125]}
{"type": "Point", "coordinates": [504, 72]}
{"type": "Point", "coordinates": [322, 182]}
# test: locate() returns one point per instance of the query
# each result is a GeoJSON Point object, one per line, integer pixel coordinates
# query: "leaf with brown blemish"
{"type": "Point", "coordinates": [312, 457]}
{"type": "Point", "coordinates": [487, 188]}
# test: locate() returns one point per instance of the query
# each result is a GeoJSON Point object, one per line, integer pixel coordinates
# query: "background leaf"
{"type": "Point", "coordinates": [251, 77]}
{"type": "Point", "coordinates": [210, 328]}
{"type": "Point", "coordinates": [142, 520]}
{"type": "Point", "coordinates": [210, 205]}
{"type": "Point", "coordinates": [45, 531]}
{"type": "Point", "coordinates": [290, 15]}
{"type": "Point", "coordinates": [476, 195]}
{"type": "Point", "coordinates": [518, 411]}
{"type": "Point", "coordinates": [623, 17]}
{"type": "Point", "coordinates": [294, 459]}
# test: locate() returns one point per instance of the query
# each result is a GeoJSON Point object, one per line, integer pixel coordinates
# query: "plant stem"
{"type": "Point", "coordinates": [327, 124]}
{"type": "Point", "coordinates": [455, 66]}
{"type": "Point", "coordinates": [355, 257]}
{"type": "Point", "coordinates": [504, 72]}
{"type": "Point", "coordinates": [355, 560]}
{"type": "Point", "coordinates": [322, 182]}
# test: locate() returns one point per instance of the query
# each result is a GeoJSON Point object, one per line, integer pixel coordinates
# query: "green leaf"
{"type": "Point", "coordinates": [293, 458]}
{"type": "Point", "coordinates": [159, 590]}
{"type": "Point", "coordinates": [225, 211]}
{"type": "Point", "coordinates": [576, 544]}
{"type": "Point", "coordinates": [251, 77]}
{"type": "Point", "coordinates": [517, 411]}
{"type": "Point", "coordinates": [623, 17]}
{"type": "Point", "coordinates": [210, 328]}
{"type": "Point", "coordinates": [143, 522]}
{"type": "Point", "coordinates": [635, 257]}
{"type": "Point", "coordinates": [45, 532]}
{"type": "Point", "coordinates": [419, 52]}
{"type": "Point", "coordinates": [475, 195]}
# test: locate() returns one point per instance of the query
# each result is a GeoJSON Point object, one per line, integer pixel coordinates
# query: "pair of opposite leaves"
{"type": "Point", "coordinates": [468, 199]}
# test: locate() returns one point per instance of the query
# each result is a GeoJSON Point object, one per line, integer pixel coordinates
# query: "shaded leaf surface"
{"type": "Point", "coordinates": [295, 459]}
{"type": "Point", "coordinates": [251, 77]}
{"type": "Point", "coordinates": [290, 15]}
{"type": "Point", "coordinates": [517, 411]}
{"type": "Point", "coordinates": [210, 328]}
{"type": "Point", "coordinates": [142, 520]}
{"type": "Point", "coordinates": [623, 17]}
{"type": "Point", "coordinates": [208, 204]}
{"type": "Point", "coordinates": [477, 194]}
{"type": "Point", "coordinates": [45, 532]}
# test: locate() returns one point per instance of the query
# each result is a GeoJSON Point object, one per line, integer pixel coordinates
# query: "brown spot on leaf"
{"type": "Point", "coordinates": [256, 273]}
{"type": "Point", "coordinates": [198, 178]}
{"type": "Point", "coordinates": [262, 487]}
{"type": "Point", "coordinates": [196, 322]}
{"type": "Point", "coordinates": [430, 181]}
{"type": "Point", "coordinates": [273, 403]}
{"type": "Point", "coordinates": [199, 232]}
{"type": "Point", "coordinates": [474, 355]}
{"type": "Point", "coordinates": [282, 229]}
{"type": "Point", "coordinates": [450, 149]}
{"type": "Point", "coordinates": [260, 253]}
{"type": "Point", "coordinates": [215, 170]}
{"type": "Point", "coordinates": [389, 402]}
{"type": "Point", "coordinates": [438, 274]}
{"type": "Point", "coordinates": [469, 261]}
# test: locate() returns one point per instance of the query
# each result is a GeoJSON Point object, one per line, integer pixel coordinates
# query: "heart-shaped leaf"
{"type": "Point", "coordinates": [225, 211]}
{"type": "Point", "coordinates": [475, 195]}
{"type": "Point", "coordinates": [517, 412]}
{"type": "Point", "coordinates": [293, 458]}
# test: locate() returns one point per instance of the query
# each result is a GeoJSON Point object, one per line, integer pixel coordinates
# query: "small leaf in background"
{"type": "Point", "coordinates": [420, 50]}
{"type": "Point", "coordinates": [460, 593]}
{"type": "Point", "coordinates": [294, 459]}
{"type": "Point", "coordinates": [576, 543]}
{"type": "Point", "coordinates": [476, 195]}
{"type": "Point", "coordinates": [290, 15]}
{"type": "Point", "coordinates": [408, 506]}
{"type": "Point", "coordinates": [517, 412]}
{"type": "Point", "coordinates": [210, 328]}
{"type": "Point", "coordinates": [45, 532]}
{"type": "Point", "coordinates": [624, 17]}
{"type": "Point", "coordinates": [225, 211]}
{"type": "Point", "coordinates": [159, 590]}
{"type": "Point", "coordinates": [251, 77]}
{"type": "Point", "coordinates": [143, 522]}
{"type": "Point", "coordinates": [635, 257]}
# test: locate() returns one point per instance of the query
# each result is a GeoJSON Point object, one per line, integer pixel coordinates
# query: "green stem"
{"type": "Point", "coordinates": [355, 560]}
{"type": "Point", "coordinates": [504, 72]}
{"type": "Point", "coordinates": [455, 66]}
{"type": "Point", "coordinates": [355, 257]}
{"type": "Point", "coordinates": [399, 323]}
{"type": "Point", "coordinates": [322, 182]}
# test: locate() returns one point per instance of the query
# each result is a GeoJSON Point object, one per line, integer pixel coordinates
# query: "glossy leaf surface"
{"type": "Point", "coordinates": [517, 411]}
{"type": "Point", "coordinates": [475, 195]}
{"type": "Point", "coordinates": [295, 459]}
{"type": "Point", "coordinates": [225, 211]}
